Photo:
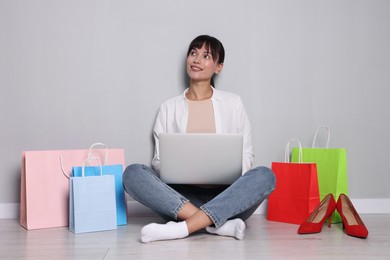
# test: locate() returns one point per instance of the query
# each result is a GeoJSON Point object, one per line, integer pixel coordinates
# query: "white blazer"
{"type": "Point", "coordinates": [230, 117]}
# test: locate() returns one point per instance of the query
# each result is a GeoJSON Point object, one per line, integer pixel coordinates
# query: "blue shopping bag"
{"type": "Point", "coordinates": [92, 204]}
{"type": "Point", "coordinates": [116, 170]}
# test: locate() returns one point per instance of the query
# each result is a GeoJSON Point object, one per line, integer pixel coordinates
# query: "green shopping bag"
{"type": "Point", "coordinates": [331, 168]}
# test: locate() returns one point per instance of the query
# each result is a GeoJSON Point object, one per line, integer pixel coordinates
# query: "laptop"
{"type": "Point", "coordinates": [200, 158]}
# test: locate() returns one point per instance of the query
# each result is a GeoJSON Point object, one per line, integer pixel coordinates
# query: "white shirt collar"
{"type": "Point", "coordinates": [217, 95]}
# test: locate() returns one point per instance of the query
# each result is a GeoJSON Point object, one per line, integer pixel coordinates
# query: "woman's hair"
{"type": "Point", "coordinates": [212, 44]}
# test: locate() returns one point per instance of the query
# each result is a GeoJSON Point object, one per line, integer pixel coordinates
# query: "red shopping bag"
{"type": "Point", "coordinates": [45, 189]}
{"type": "Point", "coordinates": [296, 194]}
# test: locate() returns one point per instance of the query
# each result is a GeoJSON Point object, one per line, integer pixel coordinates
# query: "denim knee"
{"type": "Point", "coordinates": [129, 173]}
{"type": "Point", "coordinates": [133, 176]}
{"type": "Point", "coordinates": [263, 177]}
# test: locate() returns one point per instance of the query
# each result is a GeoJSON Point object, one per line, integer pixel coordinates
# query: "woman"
{"type": "Point", "coordinates": [201, 108]}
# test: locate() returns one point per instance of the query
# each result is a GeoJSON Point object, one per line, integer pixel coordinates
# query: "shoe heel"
{"type": "Point", "coordinates": [330, 220]}
{"type": "Point", "coordinates": [318, 217]}
{"type": "Point", "coordinates": [352, 223]}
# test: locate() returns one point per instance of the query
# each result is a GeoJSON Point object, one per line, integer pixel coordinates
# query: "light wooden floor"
{"type": "Point", "coordinates": [263, 240]}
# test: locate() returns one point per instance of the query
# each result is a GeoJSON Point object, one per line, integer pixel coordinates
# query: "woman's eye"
{"type": "Point", "coordinates": [193, 53]}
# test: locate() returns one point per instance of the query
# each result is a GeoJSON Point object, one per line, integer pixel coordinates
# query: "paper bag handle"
{"type": "Point", "coordinates": [85, 163]}
{"type": "Point", "coordinates": [287, 151]}
{"type": "Point", "coordinates": [98, 144]}
{"type": "Point", "coordinates": [82, 168]}
{"type": "Point", "coordinates": [315, 136]}
{"type": "Point", "coordinates": [62, 168]}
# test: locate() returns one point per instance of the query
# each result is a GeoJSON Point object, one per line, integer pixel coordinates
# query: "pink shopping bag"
{"type": "Point", "coordinates": [45, 189]}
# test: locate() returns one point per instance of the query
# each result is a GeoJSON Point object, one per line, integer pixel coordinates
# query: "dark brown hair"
{"type": "Point", "coordinates": [212, 44]}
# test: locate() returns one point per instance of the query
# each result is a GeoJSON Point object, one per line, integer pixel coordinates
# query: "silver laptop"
{"type": "Point", "coordinates": [200, 158]}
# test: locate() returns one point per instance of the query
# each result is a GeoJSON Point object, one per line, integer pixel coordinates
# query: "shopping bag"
{"type": "Point", "coordinates": [117, 171]}
{"type": "Point", "coordinates": [92, 205]}
{"type": "Point", "coordinates": [296, 194]}
{"type": "Point", "coordinates": [331, 168]}
{"type": "Point", "coordinates": [44, 195]}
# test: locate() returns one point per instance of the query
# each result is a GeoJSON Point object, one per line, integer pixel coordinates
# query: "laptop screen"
{"type": "Point", "coordinates": [200, 158]}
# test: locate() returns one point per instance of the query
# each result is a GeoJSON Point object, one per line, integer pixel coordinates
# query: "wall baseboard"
{"type": "Point", "coordinates": [9, 210]}
{"type": "Point", "coordinates": [363, 206]}
{"type": "Point", "coordinates": [134, 208]}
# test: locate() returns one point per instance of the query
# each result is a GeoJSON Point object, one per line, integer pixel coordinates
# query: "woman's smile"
{"type": "Point", "coordinates": [196, 68]}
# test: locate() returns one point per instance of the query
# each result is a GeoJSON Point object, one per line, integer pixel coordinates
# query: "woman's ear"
{"type": "Point", "coordinates": [218, 68]}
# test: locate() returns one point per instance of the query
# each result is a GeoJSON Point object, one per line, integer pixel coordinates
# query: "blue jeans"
{"type": "Point", "coordinates": [220, 203]}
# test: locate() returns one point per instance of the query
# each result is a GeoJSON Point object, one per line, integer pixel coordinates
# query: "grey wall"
{"type": "Point", "coordinates": [76, 72]}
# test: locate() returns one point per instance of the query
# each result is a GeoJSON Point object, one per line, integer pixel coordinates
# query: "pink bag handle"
{"type": "Point", "coordinates": [85, 162]}
{"type": "Point", "coordinates": [62, 168]}
{"type": "Point", "coordinates": [313, 145]}
{"type": "Point", "coordinates": [90, 155]}
{"type": "Point", "coordinates": [287, 151]}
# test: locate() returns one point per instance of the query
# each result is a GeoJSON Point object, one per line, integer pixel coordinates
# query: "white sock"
{"type": "Point", "coordinates": [171, 230]}
{"type": "Point", "coordinates": [232, 228]}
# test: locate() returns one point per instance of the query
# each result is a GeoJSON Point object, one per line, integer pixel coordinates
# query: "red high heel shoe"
{"type": "Point", "coordinates": [352, 222]}
{"type": "Point", "coordinates": [317, 218]}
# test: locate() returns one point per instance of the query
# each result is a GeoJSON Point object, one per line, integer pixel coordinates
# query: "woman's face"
{"type": "Point", "coordinates": [201, 65]}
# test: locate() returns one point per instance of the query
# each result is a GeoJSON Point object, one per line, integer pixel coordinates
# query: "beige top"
{"type": "Point", "coordinates": [200, 117]}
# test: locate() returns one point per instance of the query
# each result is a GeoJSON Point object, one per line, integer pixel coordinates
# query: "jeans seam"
{"type": "Point", "coordinates": [211, 216]}
{"type": "Point", "coordinates": [180, 206]}
{"type": "Point", "coordinates": [264, 195]}
{"type": "Point", "coordinates": [216, 221]}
